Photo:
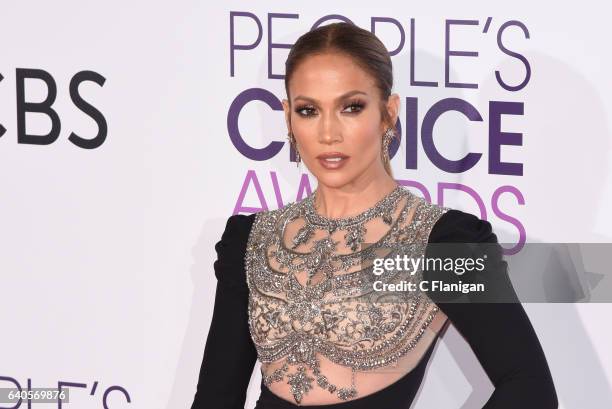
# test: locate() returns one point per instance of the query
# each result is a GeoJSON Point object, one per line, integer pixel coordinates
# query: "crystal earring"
{"type": "Point", "coordinates": [387, 138]}
{"type": "Point", "coordinates": [293, 143]}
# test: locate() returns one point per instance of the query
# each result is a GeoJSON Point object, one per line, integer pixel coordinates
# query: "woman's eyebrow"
{"type": "Point", "coordinates": [345, 95]}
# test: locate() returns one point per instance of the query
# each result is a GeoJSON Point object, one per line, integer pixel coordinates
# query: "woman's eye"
{"type": "Point", "coordinates": [305, 111]}
{"type": "Point", "coordinates": [355, 107]}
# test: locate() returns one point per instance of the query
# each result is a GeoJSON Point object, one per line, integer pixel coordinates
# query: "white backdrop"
{"type": "Point", "coordinates": [107, 247]}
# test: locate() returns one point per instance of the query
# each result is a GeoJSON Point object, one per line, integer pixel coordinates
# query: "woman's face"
{"type": "Point", "coordinates": [335, 109]}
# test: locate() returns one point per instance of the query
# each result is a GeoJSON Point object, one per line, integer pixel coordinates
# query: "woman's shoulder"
{"type": "Point", "coordinates": [457, 226]}
{"type": "Point", "coordinates": [234, 238]}
{"type": "Point", "coordinates": [461, 236]}
{"type": "Point", "coordinates": [239, 226]}
{"type": "Point", "coordinates": [231, 248]}
{"type": "Point", "coordinates": [238, 229]}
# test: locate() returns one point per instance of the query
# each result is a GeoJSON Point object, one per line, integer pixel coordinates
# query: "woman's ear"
{"type": "Point", "coordinates": [287, 110]}
{"type": "Point", "coordinates": [393, 107]}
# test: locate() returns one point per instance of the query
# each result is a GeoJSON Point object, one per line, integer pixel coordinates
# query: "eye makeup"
{"type": "Point", "coordinates": [356, 105]}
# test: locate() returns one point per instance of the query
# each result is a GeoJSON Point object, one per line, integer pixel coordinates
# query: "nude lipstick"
{"type": "Point", "coordinates": [332, 160]}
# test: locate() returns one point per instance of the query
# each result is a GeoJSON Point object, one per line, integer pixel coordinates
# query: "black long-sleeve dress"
{"type": "Point", "coordinates": [500, 334]}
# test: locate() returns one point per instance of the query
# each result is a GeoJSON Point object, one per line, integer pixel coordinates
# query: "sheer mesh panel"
{"type": "Point", "coordinates": [315, 336]}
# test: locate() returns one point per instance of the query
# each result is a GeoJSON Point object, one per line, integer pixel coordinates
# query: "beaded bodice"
{"type": "Point", "coordinates": [313, 308]}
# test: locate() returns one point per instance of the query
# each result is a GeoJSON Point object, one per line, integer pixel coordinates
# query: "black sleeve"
{"type": "Point", "coordinates": [500, 334]}
{"type": "Point", "coordinates": [229, 354]}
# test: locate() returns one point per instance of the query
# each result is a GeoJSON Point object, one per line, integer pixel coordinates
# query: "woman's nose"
{"type": "Point", "coordinates": [329, 131]}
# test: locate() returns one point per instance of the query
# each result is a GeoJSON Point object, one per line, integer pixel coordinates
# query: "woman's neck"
{"type": "Point", "coordinates": [336, 203]}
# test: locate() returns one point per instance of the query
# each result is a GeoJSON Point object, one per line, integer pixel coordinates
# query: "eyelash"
{"type": "Point", "coordinates": [353, 104]}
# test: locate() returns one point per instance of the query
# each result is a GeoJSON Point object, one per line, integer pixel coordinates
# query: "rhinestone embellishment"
{"type": "Point", "coordinates": [335, 314]}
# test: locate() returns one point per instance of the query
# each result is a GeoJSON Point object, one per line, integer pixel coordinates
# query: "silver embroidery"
{"type": "Point", "coordinates": [339, 315]}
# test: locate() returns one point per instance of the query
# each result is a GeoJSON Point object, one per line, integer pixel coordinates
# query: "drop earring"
{"type": "Point", "coordinates": [293, 143]}
{"type": "Point", "coordinates": [387, 138]}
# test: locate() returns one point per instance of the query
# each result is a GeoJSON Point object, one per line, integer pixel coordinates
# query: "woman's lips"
{"type": "Point", "coordinates": [332, 162]}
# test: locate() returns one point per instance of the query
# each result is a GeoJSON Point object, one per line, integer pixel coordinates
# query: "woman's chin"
{"type": "Point", "coordinates": [333, 179]}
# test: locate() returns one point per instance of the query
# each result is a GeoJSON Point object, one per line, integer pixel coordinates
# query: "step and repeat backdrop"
{"type": "Point", "coordinates": [131, 131]}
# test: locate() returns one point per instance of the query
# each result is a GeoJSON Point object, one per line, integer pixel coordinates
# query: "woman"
{"type": "Point", "coordinates": [293, 287]}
